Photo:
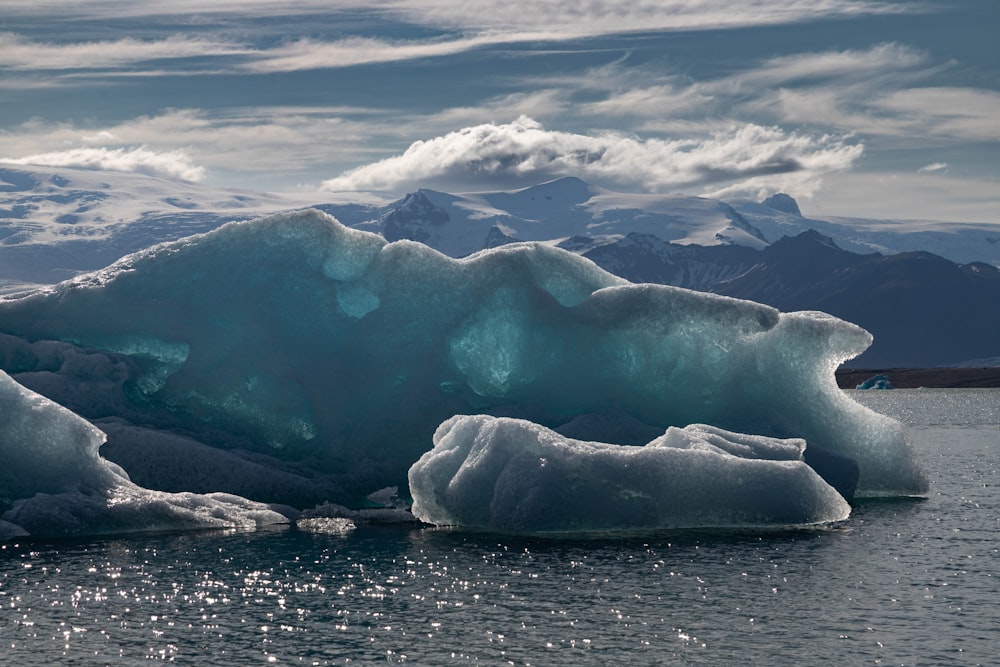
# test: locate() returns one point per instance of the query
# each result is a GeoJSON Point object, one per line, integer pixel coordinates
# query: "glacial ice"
{"type": "Point", "coordinates": [511, 475]}
{"type": "Point", "coordinates": [54, 483]}
{"type": "Point", "coordinates": [332, 356]}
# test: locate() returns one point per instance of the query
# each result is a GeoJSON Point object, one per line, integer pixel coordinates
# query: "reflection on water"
{"type": "Point", "coordinates": [901, 582]}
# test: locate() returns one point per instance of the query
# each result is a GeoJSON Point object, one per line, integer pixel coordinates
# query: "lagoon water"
{"type": "Point", "coordinates": [902, 582]}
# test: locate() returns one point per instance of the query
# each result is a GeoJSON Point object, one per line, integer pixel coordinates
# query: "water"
{"type": "Point", "coordinates": [902, 582]}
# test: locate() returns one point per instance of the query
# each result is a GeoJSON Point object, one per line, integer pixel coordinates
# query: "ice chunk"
{"type": "Point", "coordinates": [880, 381]}
{"type": "Point", "coordinates": [516, 476]}
{"type": "Point", "coordinates": [53, 481]}
{"type": "Point", "coordinates": [296, 338]}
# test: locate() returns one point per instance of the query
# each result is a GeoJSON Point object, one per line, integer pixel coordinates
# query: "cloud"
{"type": "Point", "coordinates": [19, 53]}
{"type": "Point", "coordinates": [850, 74]}
{"type": "Point", "coordinates": [880, 91]}
{"type": "Point", "coordinates": [919, 115]}
{"type": "Point", "coordinates": [486, 23]}
{"type": "Point", "coordinates": [600, 17]}
{"type": "Point", "coordinates": [174, 164]}
{"type": "Point", "coordinates": [307, 53]}
{"type": "Point", "coordinates": [933, 167]}
{"type": "Point", "coordinates": [893, 195]}
{"type": "Point", "coordinates": [963, 113]}
{"type": "Point", "coordinates": [747, 159]}
{"type": "Point", "coordinates": [288, 142]}
{"type": "Point", "coordinates": [570, 17]}
{"type": "Point", "coordinates": [886, 59]}
{"type": "Point", "coordinates": [462, 27]}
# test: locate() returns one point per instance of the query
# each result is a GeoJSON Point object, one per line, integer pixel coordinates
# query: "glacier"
{"type": "Point", "coordinates": [329, 357]}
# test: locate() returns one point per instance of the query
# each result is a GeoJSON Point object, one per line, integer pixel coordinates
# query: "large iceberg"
{"type": "Point", "coordinates": [330, 356]}
{"type": "Point", "coordinates": [54, 483]}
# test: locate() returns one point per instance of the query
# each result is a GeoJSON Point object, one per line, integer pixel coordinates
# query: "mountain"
{"type": "Point", "coordinates": [961, 242]}
{"type": "Point", "coordinates": [644, 258]}
{"type": "Point", "coordinates": [56, 222]}
{"type": "Point", "coordinates": [459, 225]}
{"type": "Point", "coordinates": [581, 217]}
{"type": "Point", "coordinates": [923, 309]}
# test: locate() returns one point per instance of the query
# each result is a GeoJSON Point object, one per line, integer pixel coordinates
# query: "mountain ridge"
{"type": "Point", "coordinates": [925, 308]}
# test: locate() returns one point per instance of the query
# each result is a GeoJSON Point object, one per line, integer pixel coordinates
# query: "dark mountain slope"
{"type": "Point", "coordinates": [922, 309]}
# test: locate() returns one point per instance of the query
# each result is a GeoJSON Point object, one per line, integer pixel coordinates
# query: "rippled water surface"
{"type": "Point", "coordinates": [900, 583]}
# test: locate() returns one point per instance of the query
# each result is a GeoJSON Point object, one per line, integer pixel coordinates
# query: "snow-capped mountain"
{"type": "Point", "coordinates": [580, 217]}
{"type": "Point", "coordinates": [57, 221]}
{"type": "Point", "coordinates": [564, 209]}
{"type": "Point", "coordinates": [961, 242]}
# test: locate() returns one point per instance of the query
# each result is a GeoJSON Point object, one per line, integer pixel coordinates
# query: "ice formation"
{"type": "Point", "coordinates": [511, 475]}
{"type": "Point", "coordinates": [329, 354]}
{"type": "Point", "coordinates": [53, 482]}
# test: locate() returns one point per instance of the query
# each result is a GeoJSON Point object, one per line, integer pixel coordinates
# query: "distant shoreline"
{"type": "Point", "coordinates": [911, 378]}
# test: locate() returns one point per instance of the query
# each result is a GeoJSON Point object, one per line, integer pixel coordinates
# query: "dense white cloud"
{"type": "Point", "coordinates": [748, 158]}
{"type": "Point", "coordinates": [175, 164]}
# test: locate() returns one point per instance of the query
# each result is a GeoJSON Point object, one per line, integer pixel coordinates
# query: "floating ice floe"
{"type": "Point", "coordinates": [496, 473]}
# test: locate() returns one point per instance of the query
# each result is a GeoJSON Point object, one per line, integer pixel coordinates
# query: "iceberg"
{"type": "Point", "coordinates": [511, 475]}
{"type": "Point", "coordinates": [54, 483]}
{"type": "Point", "coordinates": [331, 356]}
{"type": "Point", "coordinates": [880, 381]}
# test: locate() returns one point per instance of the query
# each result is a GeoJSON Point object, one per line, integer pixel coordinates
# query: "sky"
{"type": "Point", "coordinates": [867, 108]}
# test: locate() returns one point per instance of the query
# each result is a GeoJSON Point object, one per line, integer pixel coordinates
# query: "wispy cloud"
{"type": "Point", "coordinates": [933, 167]}
{"type": "Point", "coordinates": [878, 91]}
{"type": "Point", "coordinates": [462, 27]}
{"type": "Point", "coordinates": [758, 87]}
{"type": "Point", "coordinates": [175, 164]}
{"type": "Point", "coordinates": [264, 139]}
{"type": "Point", "coordinates": [911, 196]}
{"type": "Point", "coordinates": [964, 113]}
{"type": "Point", "coordinates": [916, 115]}
{"type": "Point", "coordinates": [571, 17]}
{"type": "Point", "coordinates": [307, 53]}
{"type": "Point", "coordinates": [20, 53]}
{"type": "Point", "coordinates": [599, 17]}
{"type": "Point", "coordinates": [748, 159]}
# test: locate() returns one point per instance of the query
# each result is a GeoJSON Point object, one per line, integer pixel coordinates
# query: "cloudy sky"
{"type": "Point", "coordinates": [874, 108]}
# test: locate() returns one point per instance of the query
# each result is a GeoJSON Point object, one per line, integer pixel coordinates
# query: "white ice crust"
{"type": "Point", "coordinates": [60, 486]}
{"type": "Point", "coordinates": [511, 475]}
{"type": "Point", "coordinates": [307, 342]}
